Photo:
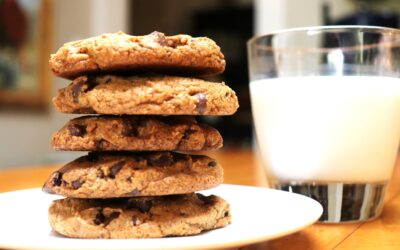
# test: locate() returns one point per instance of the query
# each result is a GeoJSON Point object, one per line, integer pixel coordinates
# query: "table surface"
{"type": "Point", "coordinates": [242, 167]}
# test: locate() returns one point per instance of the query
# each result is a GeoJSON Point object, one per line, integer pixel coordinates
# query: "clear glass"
{"type": "Point", "coordinates": [326, 110]}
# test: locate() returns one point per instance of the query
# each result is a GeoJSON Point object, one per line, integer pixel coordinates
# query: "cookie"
{"type": "Point", "coordinates": [129, 174]}
{"type": "Point", "coordinates": [152, 95]}
{"type": "Point", "coordinates": [144, 217]}
{"type": "Point", "coordinates": [136, 133]}
{"type": "Point", "coordinates": [119, 52]}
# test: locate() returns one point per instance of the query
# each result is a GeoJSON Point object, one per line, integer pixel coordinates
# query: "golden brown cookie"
{"type": "Point", "coordinates": [155, 95]}
{"type": "Point", "coordinates": [129, 174]}
{"type": "Point", "coordinates": [119, 52]}
{"type": "Point", "coordinates": [136, 133]}
{"type": "Point", "coordinates": [145, 217]}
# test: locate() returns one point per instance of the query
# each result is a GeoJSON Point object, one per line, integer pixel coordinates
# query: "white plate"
{"type": "Point", "coordinates": [258, 214]}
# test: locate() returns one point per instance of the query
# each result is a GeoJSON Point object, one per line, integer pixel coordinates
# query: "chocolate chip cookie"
{"type": "Point", "coordinates": [144, 217]}
{"type": "Point", "coordinates": [136, 133]}
{"type": "Point", "coordinates": [119, 52]}
{"type": "Point", "coordinates": [151, 95]}
{"type": "Point", "coordinates": [129, 174]}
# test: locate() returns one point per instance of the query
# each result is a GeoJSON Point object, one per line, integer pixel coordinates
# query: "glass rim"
{"type": "Point", "coordinates": [319, 29]}
{"type": "Point", "coordinates": [323, 28]}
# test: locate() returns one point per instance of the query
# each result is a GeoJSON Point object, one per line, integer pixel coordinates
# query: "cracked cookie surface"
{"type": "Point", "coordinates": [144, 217]}
{"type": "Point", "coordinates": [136, 133]}
{"type": "Point", "coordinates": [151, 95]}
{"type": "Point", "coordinates": [131, 174]}
{"type": "Point", "coordinates": [119, 52]}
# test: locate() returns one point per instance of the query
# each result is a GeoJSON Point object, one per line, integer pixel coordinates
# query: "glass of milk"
{"type": "Point", "coordinates": [326, 110]}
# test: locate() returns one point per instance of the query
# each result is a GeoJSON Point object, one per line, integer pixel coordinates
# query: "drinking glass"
{"type": "Point", "coordinates": [326, 110]}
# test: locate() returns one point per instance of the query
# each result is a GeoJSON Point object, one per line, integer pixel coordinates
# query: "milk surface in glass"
{"type": "Point", "coordinates": [328, 129]}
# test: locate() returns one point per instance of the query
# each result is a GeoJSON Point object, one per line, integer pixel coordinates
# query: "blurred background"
{"type": "Point", "coordinates": [32, 29]}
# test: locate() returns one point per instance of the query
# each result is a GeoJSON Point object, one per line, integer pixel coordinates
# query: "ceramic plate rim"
{"type": "Point", "coordinates": [222, 190]}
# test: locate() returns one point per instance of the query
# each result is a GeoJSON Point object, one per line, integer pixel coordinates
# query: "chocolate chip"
{"type": "Point", "coordinates": [76, 184]}
{"type": "Point", "coordinates": [111, 217]}
{"type": "Point", "coordinates": [207, 200]}
{"type": "Point", "coordinates": [57, 179]}
{"type": "Point", "coordinates": [202, 102]}
{"type": "Point", "coordinates": [115, 169]}
{"type": "Point", "coordinates": [83, 85]}
{"type": "Point", "coordinates": [226, 214]}
{"type": "Point", "coordinates": [158, 37]}
{"type": "Point", "coordinates": [163, 160]}
{"type": "Point", "coordinates": [77, 130]}
{"type": "Point", "coordinates": [100, 218]}
{"type": "Point", "coordinates": [129, 129]}
{"type": "Point", "coordinates": [143, 206]}
{"type": "Point", "coordinates": [212, 164]}
{"type": "Point", "coordinates": [76, 89]}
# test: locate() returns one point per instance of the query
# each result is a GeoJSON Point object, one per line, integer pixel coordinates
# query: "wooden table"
{"type": "Point", "coordinates": [241, 167]}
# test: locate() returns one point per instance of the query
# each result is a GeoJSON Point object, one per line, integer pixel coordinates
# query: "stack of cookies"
{"type": "Point", "coordinates": [144, 94]}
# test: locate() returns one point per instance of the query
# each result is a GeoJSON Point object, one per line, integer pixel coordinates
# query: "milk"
{"type": "Point", "coordinates": [328, 128]}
